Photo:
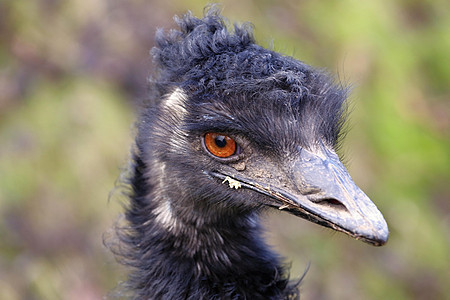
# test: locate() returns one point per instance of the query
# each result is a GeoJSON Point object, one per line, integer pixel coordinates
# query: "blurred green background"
{"type": "Point", "coordinates": [73, 71]}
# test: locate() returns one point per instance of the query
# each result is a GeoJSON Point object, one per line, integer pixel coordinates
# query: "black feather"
{"type": "Point", "coordinates": [209, 245]}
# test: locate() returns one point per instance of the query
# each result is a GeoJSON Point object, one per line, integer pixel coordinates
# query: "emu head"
{"type": "Point", "coordinates": [240, 128]}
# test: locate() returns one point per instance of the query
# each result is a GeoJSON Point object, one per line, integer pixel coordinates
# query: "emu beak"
{"type": "Point", "coordinates": [330, 197]}
{"type": "Point", "coordinates": [318, 188]}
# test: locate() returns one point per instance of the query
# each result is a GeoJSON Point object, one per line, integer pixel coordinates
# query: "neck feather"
{"type": "Point", "coordinates": [176, 254]}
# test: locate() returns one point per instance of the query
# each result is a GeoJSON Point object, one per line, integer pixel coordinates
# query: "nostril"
{"type": "Point", "coordinates": [332, 203]}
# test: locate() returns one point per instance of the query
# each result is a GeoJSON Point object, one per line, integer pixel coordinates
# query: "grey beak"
{"type": "Point", "coordinates": [315, 185]}
{"type": "Point", "coordinates": [331, 198]}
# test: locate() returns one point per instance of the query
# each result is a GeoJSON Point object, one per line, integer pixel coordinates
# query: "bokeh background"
{"type": "Point", "coordinates": [73, 71]}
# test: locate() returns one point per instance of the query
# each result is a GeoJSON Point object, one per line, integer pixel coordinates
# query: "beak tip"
{"type": "Point", "coordinates": [378, 237]}
{"type": "Point", "coordinates": [382, 232]}
{"type": "Point", "coordinates": [381, 239]}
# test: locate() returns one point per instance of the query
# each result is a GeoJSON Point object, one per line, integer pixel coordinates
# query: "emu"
{"type": "Point", "coordinates": [231, 130]}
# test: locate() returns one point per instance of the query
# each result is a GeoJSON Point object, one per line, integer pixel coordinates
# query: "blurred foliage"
{"type": "Point", "coordinates": [71, 73]}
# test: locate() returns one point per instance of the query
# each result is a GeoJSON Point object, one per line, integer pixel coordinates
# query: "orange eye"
{"type": "Point", "coordinates": [220, 145]}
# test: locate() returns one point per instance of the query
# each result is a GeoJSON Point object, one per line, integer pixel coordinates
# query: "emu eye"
{"type": "Point", "coordinates": [220, 145]}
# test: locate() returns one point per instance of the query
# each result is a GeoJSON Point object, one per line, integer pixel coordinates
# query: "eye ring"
{"type": "Point", "coordinates": [221, 146]}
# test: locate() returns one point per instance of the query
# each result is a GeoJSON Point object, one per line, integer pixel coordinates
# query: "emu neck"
{"type": "Point", "coordinates": [178, 254]}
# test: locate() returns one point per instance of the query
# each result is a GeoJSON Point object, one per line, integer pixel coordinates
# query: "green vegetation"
{"type": "Point", "coordinates": [72, 72]}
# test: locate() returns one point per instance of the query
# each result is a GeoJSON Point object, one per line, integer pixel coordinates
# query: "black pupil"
{"type": "Point", "coordinates": [220, 141]}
